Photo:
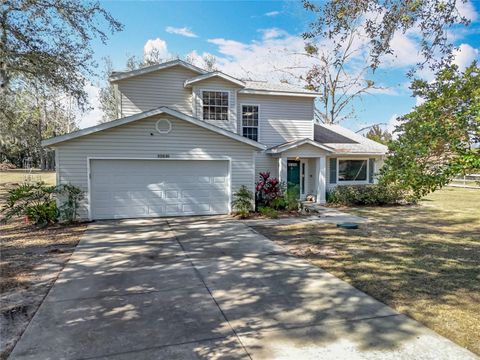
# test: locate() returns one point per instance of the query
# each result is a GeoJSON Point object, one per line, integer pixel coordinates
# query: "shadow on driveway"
{"type": "Point", "coordinates": [211, 288]}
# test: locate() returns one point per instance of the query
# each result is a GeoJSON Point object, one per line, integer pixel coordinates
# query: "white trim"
{"type": "Point", "coordinates": [146, 114]}
{"type": "Point", "coordinates": [321, 179]}
{"type": "Point", "coordinates": [188, 157]}
{"type": "Point", "coordinates": [284, 147]}
{"type": "Point", "coordinates": [189, 82]}
{"type": "Point", "coordinates": [279, 93]}
{"type": "Point", "coordinates": [352, 182]}
{"type": "Point", "coordinates": [241, 119]}
{"type": "Point", "coordinates": [57, 167]}
{"type": "Point", "coordinates": [116, 76]}
{"type": "Point", "coordinates": [360, 155]}
{"type": "Point", "coordinates": [202, 90]}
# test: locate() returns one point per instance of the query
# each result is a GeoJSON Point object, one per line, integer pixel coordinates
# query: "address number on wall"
{"type": "Point", "coordinates": [163, 156]}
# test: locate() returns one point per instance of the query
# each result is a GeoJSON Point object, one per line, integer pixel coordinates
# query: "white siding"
{"type": "Point", "coordinates": [160, 88]}
{"type": "Point", "coordinates": [265, 162]}
{"type": "Point", "coordinates": [281, 118]}
{"type": "Point", "coordinates": [216, 84]}
{"type": "Point", "coordinates": [140, 140]}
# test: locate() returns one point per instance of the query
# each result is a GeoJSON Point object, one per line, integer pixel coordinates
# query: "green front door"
{"type": "Point", "coordinates": [293, 176]}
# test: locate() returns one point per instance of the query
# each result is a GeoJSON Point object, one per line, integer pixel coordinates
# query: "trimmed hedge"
{"type": "Point", "coordinates": [371, 194]}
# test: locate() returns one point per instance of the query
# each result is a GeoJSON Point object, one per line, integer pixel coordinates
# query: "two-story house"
{"type": "Point", "coordinates": [187, 139]}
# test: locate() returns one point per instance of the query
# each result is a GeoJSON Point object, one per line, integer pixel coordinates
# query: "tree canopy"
{"type": "Point", "coordinates": [437, 140]}
{"type": "Point", "coordinates": [49, 41]}
{"type": "Point", "coordinates": [382, 19]}
{"type": "Point", "coordinates": [376, 133]}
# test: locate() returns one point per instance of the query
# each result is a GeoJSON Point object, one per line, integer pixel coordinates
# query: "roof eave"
{"type": "Point", "coordinates": [279, 93]}
{"type": "Point", "coordinates": [189, 82]}
{"type": "Point", "coordinates": [146, 114]}
{"type": "Point", "coordinates": [285, 147]}
{"type": "Point", "coordinates": [146, 70]}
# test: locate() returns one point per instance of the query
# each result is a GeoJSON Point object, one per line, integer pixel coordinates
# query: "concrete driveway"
{"type": "Point", "coordinates": [211, 288]}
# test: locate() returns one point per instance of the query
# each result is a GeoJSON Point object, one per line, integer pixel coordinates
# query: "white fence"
{"type": "Point", "coordinates": [470, 181]}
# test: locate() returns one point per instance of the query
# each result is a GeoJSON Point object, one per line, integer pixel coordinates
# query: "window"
{"type": "Point", "coordinates": [250, 121]}
{"type": "Point", "coordinates": [352, 170]}
{"type": "Point", "coordinates": [215, 105]}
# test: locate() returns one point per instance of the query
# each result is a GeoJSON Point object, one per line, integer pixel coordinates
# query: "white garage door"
{"type": "Point", "coordinates": [151, 188]}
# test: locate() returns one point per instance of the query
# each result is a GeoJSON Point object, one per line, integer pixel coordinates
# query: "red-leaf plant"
{"type": "Point", "coordinates": [267, 189]}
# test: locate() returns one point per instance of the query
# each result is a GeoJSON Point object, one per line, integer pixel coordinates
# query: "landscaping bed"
{"type": "Point", "coordinates": [31, 259]}
{"type": "Point", "coordinates": [422, 260]}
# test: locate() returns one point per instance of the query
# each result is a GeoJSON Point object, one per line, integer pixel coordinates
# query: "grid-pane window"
{"type": "Point", "coordinates": [352, 170]}
{"type": "Point", "coordinates": [215, 105]}
{"type": "Point", "coordinates": [250, 121]}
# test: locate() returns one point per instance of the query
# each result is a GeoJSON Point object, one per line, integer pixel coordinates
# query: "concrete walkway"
{"type": "Point", "coordinates": [211, 288]}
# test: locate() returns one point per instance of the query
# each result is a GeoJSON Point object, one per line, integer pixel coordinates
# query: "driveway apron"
{"type": "Point", "coordinates": [211, 288]}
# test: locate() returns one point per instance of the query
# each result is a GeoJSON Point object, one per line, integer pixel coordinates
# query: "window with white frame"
{"type": "Point", "coordinates": [352, 170]}
{"type": "Point", "coordinates": [250, 121]}
{"type": "Point", "coordinates": [215, 105]}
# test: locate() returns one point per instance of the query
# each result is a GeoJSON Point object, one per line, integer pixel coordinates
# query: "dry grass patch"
{"type": "Point", "coordinates": [30, 261]}
{"type": "Point", "coordinates": [422, 260]}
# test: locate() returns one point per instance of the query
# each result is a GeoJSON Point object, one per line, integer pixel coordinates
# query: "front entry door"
{"type": "Point", "coordinates": [293, 176]}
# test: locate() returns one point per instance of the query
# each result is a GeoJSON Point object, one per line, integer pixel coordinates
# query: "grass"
{"type": "Point", "coordinates": [18, 176]}
{"type": "Point", "coordinates": [422, 260]}
{"type": "Point", "coordinates": [30, 261]}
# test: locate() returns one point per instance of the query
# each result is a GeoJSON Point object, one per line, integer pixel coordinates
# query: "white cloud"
{"type": "Point", "coordinates": [464, 56]}
{"type": "Point", "coordinates": [196, 59]}
{"type": "Point", "coordinates": [392, 124]}
{"type": "Point", "coordinates": [157, 46]}
{"type": "Point", "coordinates": [467, 10]}
{"type": "Point", "coordinates": [91, 117]}
{"type": "Point", "coordinates": [184, 31]}
{"type": "Point", "coordinates": [272, 33]}
{"type": "Point", "coordinates": [272, 13]}
{"type": "Point", "coordinates": [419, 100]}
{"type": "Point", "coordinates": [263, 59]}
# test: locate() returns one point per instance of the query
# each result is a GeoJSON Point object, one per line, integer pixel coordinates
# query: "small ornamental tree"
{"type": "Point", "coordinates": [436, 141]}
{"type": "Point", "coordinates": [267, 189]}
{"type": "Point", "coordinates": [242, 201]}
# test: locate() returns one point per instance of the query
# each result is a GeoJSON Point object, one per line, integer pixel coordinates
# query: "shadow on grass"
{"type": "Point", "coordinates": [424, 262]}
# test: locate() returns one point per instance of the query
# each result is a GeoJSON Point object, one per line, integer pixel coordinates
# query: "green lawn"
{"type": "Point", "coordinates": [422, 260]}
{"type": "Point", "coordinates": [18, 176]}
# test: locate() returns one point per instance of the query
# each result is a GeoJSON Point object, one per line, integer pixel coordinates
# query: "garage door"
{"type": "Point", "coordinates": [151, 188]}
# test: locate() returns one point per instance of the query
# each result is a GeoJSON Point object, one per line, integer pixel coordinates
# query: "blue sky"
{"type": "Point", "coordinates": [252, 38]}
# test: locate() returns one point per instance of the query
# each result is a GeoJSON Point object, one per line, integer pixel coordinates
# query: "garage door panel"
{"type": "Point", "coordinates": [142, 188]}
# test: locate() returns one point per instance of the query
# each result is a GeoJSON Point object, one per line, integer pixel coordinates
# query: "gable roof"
{"type": "Point", "coordinates": [209, 75]}
{"type": "Point", "coordinates": [121, 75]}
{"type": "Point", "coordinates": [294, 144]}
{"type": "Point", "coordinates": [146, 114]}
{"type": "Point", "coordinates": [248, 86]}
{"type": "Point", "coordinates": [345, 141]}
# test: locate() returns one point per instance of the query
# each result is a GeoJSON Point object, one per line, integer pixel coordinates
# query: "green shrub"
{"type": "Point", "coordinates": [371, 194]}
{"type": "Point", "coordinates": [291, 198]}
{"type": "Point", "coordinates": [268, 212]}
{"type": "Point", "coordinates": [242, 201]}
{"type": "Point", "coordinates": [29, 199]}
{"type": "Point", "coordinates": [38, 203]}
{"type": "Point", "coordinates": [70, 197]}
{"type": "Point", "coordinates": [42, 214]}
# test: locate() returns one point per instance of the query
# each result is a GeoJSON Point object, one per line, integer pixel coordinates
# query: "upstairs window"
{"type": "Point", "coordinates": [215, 105]}
{"type": "Point", "coordinates": [352, 170]}
{"type": "Point", "coordinates": [250, 121]}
